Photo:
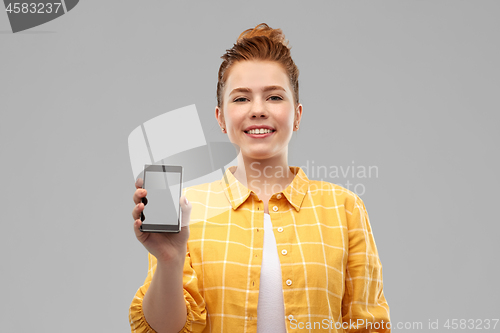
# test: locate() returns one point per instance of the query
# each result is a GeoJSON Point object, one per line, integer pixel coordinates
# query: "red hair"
{"type": "Point", "coordinates": [259, 43]}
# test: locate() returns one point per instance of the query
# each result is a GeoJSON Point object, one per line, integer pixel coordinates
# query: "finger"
{"type": "Point", "coordinates": [139, 194]}
{"type": "Point", "coordinates": [184, 232]}
{"type": "Point", "coordinates": [186, 211]}
{"type": "Point", "coordinates": [141, 236]}
{"type": "Point", "coordinates": [136, 212]}
{"type": "Point", "coordinates": [139, 182]}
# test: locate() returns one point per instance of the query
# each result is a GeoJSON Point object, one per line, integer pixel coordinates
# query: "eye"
{"type": "Point", "coordinates": [239, 98]}
{"type": "Point", "coordinates": [278, 98]}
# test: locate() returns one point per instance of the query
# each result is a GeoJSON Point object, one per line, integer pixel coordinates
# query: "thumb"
{"type": "Point", "coordinates": [186, 211]}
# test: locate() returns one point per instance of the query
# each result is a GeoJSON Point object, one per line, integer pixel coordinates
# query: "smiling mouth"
{"type": "Point", "coordinates": [257, 133]}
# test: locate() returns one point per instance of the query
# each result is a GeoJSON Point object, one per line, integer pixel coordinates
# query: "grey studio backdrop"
{"type": "Point", "coordinates": [410, 87]}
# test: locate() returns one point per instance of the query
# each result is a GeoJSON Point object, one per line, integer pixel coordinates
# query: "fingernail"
{"type": "Point", "coordinates": [187, 202]}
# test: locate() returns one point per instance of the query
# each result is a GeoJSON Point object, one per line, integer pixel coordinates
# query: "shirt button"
{"type": "Point", "coordinates": [290, 317]}
{"type": "Point", "coordinates": [288, 282]}
{"type": "Point", "coordinates": [275, 208]}
{"type": "Point", "coordinates": [283, 252]}
{"type": "Point", "coordinates": [280, 229]}
{"type": "Point", "coordinates": [278, 196]}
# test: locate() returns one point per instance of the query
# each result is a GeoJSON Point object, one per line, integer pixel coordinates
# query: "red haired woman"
{"type": "Point", "coordinates": [264, 249]}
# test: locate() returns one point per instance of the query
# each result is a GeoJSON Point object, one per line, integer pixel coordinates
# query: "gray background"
{"type": "Point", "coordinates": [408, 86]}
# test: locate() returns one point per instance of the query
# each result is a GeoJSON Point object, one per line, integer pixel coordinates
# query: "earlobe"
{"type": "Point", "coordinates": [220, 119]}
{"type": "Point", "coordinates": [298, 116]}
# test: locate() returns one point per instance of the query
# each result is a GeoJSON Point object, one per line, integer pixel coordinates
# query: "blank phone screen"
{"type": "Point", "coordinates": [163, 197]}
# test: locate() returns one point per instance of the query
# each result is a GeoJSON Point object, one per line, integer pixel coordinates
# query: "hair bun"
{"type": "Point", "coordinates": [263, 29]}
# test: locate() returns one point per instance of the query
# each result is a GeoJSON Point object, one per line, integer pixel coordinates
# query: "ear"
{"type": "Point", "coordinates": [219, 115]}
{"type": "Point", "coordinates": [297, 116]}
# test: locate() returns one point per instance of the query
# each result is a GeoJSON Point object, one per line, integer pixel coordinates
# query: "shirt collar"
{"type": "Point", "coordinates": [237, 193]}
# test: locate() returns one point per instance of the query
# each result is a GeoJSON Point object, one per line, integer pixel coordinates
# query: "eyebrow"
{"type": "Point", "coordinates": [247, 90]}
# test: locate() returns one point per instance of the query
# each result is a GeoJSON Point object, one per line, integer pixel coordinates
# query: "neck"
{"type": "Point", "coordinates": [263, 176]}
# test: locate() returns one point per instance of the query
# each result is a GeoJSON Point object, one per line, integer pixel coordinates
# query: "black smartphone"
{"type": "Point", "coordinates": [162, 211]}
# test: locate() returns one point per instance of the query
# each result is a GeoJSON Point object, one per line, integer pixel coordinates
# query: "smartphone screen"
{"type": "Point", "coordinates": [164, 186]}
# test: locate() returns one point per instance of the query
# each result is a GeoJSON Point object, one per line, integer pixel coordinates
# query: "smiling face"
{"type": "Point", "coordinates": [258, 93]}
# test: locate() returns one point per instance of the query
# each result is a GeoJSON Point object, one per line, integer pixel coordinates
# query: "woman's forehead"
{"type": "Point", "coordinates": [256, 75]}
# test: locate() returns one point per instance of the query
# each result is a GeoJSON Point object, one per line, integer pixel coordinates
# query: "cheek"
{"type": "Point", "coordinates": [233, 123]}
{"type": "Point", "coordinates": [287, 120]}
{"type": "Point", "coordinates": [236, 117]}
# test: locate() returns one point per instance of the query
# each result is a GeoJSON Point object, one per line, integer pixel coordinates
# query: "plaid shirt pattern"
{"type": "Point", "coordinates": [331, 272]}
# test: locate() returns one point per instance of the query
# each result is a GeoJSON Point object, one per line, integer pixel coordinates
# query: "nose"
{"type": "Point", "coordinates": [258, 109]}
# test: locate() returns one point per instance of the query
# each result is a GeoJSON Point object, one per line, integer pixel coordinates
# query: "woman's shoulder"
{"type": "Point", "coordinates": [207, 199]}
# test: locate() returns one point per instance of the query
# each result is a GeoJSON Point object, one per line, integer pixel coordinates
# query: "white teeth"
{"type": "Point", "coordinates": [259, 131]}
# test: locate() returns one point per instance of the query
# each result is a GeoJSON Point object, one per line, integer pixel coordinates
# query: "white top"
{"type": "Point", "coordinates": [271, 306]}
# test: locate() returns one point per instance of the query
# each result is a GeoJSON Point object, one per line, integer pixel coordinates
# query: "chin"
{"type": "Point", "coordinates": [259, 155]}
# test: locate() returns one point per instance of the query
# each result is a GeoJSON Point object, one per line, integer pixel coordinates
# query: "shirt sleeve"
{"type": "Point", "coordinates": [195, 305]}
{"type": "Point", "coordinates": [364, 307]}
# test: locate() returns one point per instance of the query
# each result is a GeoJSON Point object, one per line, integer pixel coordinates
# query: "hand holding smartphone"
{"type": "Point", "coordinates": [164, 186]}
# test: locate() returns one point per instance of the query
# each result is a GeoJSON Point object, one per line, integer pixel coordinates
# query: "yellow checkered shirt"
{"type": "Point", "coordinates": [332, 275]}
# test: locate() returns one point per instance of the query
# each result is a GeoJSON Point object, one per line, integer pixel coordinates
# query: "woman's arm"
{"type": "Point", "coordinates": [193, 302]}
{"type": "Point", "coordinates": [162, 303]}
{"type": "Point", "coordinates": [164, 306]}
{"type": "Point", "coordinates": [364, 303]}
{"type": "Point", "coordinates": [159, 305]}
